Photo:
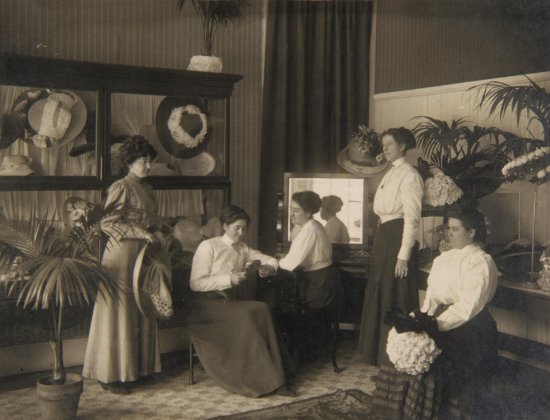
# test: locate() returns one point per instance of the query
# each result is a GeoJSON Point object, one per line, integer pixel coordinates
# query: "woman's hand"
{"type": "Point", "coordinates": [401, 269]}
{"type": "Point", "coordinates": [237, 278]}
{"type": "Point", "coordinates": [265, 271]}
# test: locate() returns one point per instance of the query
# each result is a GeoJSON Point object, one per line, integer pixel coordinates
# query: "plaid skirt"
{"type": "Point", "coordinates": [414, 397]}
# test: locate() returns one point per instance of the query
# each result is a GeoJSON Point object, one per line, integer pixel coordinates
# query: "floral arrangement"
{"type": "Point", "coordinates": [368, 142]}
{"type": "Point", "coordinates": [179, 134]}
{"type": "Point", "coordinates": [440, 190]}
{"type": "Point", "coordinates": [411, 352]}
{"type": "Point", "coordinates": [533, 166]}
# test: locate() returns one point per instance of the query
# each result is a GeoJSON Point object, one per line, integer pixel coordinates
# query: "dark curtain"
{"type": "Point", "coordinates": [315, 92]}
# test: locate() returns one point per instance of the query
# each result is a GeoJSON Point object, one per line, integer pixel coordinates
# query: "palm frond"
{"type": "Point", "coordinates": [531, 100]}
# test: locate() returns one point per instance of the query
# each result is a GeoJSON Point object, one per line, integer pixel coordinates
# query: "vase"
{"type": "Point", "coordinates": [60, 402]}
{"type": "Point", "coordinates": [208, 63]}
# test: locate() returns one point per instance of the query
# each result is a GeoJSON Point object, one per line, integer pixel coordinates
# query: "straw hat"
{"type": "Point", "coordinates": [15, 165]}
{"type": "Point", "coordinates": [54, 117]}
{"type": "Point", "coordinates": [182, 126]}
{"type": "Point", "coordinates": [359, 156]}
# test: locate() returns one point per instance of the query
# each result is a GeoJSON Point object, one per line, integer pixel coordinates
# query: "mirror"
{"type": "Point", "coordinates": [344, 200]}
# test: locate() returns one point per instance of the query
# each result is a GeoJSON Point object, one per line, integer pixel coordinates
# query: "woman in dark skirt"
{"type": "Point", "coordinates": [235, 340]}
{"type": "Point", "coordinates": [462, 281]}
{"type": "Point", "coordinates": [392, 281]}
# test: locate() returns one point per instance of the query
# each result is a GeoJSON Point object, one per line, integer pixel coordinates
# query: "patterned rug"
{"type": "Point", "coordinates": [349, 404]}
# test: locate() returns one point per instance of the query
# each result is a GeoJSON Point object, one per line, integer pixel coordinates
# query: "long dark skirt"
{"type": "Point", "coordinates": [470, 356]}
{"type": "Point", "coordinates": [384, 292]}
{"type": "Point", "coordinates": [237, 344]}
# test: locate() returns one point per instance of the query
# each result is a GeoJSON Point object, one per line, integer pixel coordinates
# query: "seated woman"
{"type": "Point", "coordinates": [318, 281]}
{"type": "Point", "coordinates": [335, 228]}
{"type": "Point", "coordinates": [311, 253]}
{"type": "Point", "coordinates": [461, 283]}
{"type": "Point", "coordinates": [235, 340]}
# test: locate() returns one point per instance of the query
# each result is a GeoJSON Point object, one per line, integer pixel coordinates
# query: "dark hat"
{"type": "Point", "coordinates": [182, 126]}
{"type": "Point", "coordinates": [359, 156]}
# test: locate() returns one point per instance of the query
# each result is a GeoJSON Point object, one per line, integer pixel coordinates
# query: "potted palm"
{"type": "Point", "coordinates": [472, 157]}
{"type": "Point", "coordinates": [213, 15]}
{"type": "Point", "coordinates": [48, 269]}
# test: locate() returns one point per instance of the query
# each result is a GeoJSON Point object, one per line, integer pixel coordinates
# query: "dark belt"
{"type": "Point", "coordinates": [212, 295]}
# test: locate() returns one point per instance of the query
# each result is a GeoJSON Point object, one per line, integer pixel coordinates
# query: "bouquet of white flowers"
{"type": "Point", "coordinates": [411, 352]}
{"type": "Point", "coordinates": [533, 166]}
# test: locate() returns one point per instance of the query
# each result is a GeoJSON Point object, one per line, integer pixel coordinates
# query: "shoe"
{"type": "Point", "coordinates": [115, 388]}
{"type": "Point", "coordinates": [285, 391]}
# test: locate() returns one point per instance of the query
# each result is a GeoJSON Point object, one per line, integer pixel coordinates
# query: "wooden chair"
{"type": "Point", "coordinates": [297, 321]}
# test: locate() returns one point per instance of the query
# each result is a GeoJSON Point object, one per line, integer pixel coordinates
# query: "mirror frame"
{"type": "Point", "coordinates": [288, 176]}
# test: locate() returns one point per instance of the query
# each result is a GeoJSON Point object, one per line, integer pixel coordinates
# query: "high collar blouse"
{"type": "Point", "coordinates": [310, 250]}
{"type": "Point", "coordinates": [215, 260]}
{"type": "Point", "coordinates": [463, 280]}
{"type": "Point", "coordinates": [399, 195]}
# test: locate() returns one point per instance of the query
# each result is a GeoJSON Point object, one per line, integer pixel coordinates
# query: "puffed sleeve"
{"type": "Point", "coordinates": [201, 278]}
{"type": "Point", "coordinates": [411, 191]}
{"type": "Point", "coordinates": [479, 282]}
{"type": "Point", "coordinates": [253, 254]}
{"type": "Point", "coordinates": [115, 224]}
{"type": "Point", "coordinates": [300, 249]}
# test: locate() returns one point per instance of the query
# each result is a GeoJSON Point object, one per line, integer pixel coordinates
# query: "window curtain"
{"type": "Point", "coordinates": [315, 92]}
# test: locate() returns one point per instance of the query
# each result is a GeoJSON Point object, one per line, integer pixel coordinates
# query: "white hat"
{"type": "Point", "coordinates": [15, 165]}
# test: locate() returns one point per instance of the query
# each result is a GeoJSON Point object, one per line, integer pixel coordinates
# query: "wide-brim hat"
{"type": "Point", "coordinates": [199, 165]}
{"type": "Point", "coordinates": [30, 106]}
{"type": "Point", "coordinates": [182, 126]}
{"type": "Point", "coordinates": [359, 164]}
{"type": "Point", "coordinates": [139, 286]}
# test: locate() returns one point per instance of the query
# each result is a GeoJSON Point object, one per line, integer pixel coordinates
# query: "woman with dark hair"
{"type": "Point", "coordinates": [235, 340]}
{"type": "Point", "coordinates": [461, 283]}
{"type": "Point", "coordinates": [335, 228]}
{"type": "Point", "coordinates": [392, 281]}
{"type": "Point", "coordinates": [311, 253]}
{"type": "Point", "coordinates": [123, 344]}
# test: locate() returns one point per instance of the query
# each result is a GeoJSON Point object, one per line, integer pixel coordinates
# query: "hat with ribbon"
{"type": "Point", "coordinates": [53, 117]}
{"type": "Point", "coordinates": [182, 126]}
{"type": "Point", "coordinates": [361, 155]}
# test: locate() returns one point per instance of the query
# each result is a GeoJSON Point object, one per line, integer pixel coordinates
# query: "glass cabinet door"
{"type": "Point", "coordinates": [188, 133]}
{"type": "Point", "coordinates": [47, 132]}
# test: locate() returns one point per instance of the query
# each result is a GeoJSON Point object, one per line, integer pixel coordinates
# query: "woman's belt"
{"type": "Point", "coordinates": [211, 295]}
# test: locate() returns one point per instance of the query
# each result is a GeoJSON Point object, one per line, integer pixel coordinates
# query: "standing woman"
{"type": "Point", "coordinates": [311, 252]}
{"type": "Point", "coordinates": [123, 344]}
{"type": "Point", "coordinates": [392, 281]}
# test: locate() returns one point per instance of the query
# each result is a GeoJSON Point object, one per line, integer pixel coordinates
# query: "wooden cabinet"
{"type": "Point", "coordinates": [354, 269]}
{"type": "Point", "coordinates": [66, 118]}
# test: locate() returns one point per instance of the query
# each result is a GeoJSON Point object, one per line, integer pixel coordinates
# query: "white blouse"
{"type": "Point", "coordinates": [399, 195]}
{"type": "Point", "coordinates": [215, 260]}
{"type": "Point", "coordinates": [464, 279]}
{"type": "Point", "coordinates": [311, 249]}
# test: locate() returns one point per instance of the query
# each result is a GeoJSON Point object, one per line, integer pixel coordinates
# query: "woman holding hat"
{"type": "Point", "coordinates": [392, 281]}
{"type": "Point", "coordinates": [123, 344]}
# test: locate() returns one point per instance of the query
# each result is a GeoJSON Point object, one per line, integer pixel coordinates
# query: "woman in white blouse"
{"type": "Point", "coordinates": [235, 340]}
{"type": "Point", "coordinates": [311, 253]}
{"type": "Point", "coordinates": [461, 283]}
{"type": "Point", "coordinates": [392, 281]}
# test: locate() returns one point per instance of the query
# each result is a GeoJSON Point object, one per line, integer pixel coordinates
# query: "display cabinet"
{"type": "Point", "coordinates": [63, 121]}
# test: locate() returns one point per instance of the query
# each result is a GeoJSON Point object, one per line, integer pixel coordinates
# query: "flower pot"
{"type": "Point", "coordinates": [59, 401]}
{"type": "Point", "coordinates": [205, 63]}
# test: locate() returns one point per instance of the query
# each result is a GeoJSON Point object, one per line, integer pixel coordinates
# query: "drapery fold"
{"type": "Point", "coordinates": [315, 92]}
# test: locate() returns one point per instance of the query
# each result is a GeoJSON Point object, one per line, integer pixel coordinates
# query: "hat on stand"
{"type": "Point", "coordinates": [182, 126]}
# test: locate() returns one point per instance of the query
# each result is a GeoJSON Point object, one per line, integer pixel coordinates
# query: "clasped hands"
{"type": "Point", "coordinates": [264, 270]}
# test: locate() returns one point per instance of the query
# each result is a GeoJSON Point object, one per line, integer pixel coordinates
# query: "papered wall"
{"type": "Point", "coordinates": [422, 43]}
{"type": "Point", "coordinates": [152, 33]}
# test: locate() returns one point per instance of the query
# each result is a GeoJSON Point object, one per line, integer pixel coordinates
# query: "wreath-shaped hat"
{"type": "Point", "coordinates": [182, 126]}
